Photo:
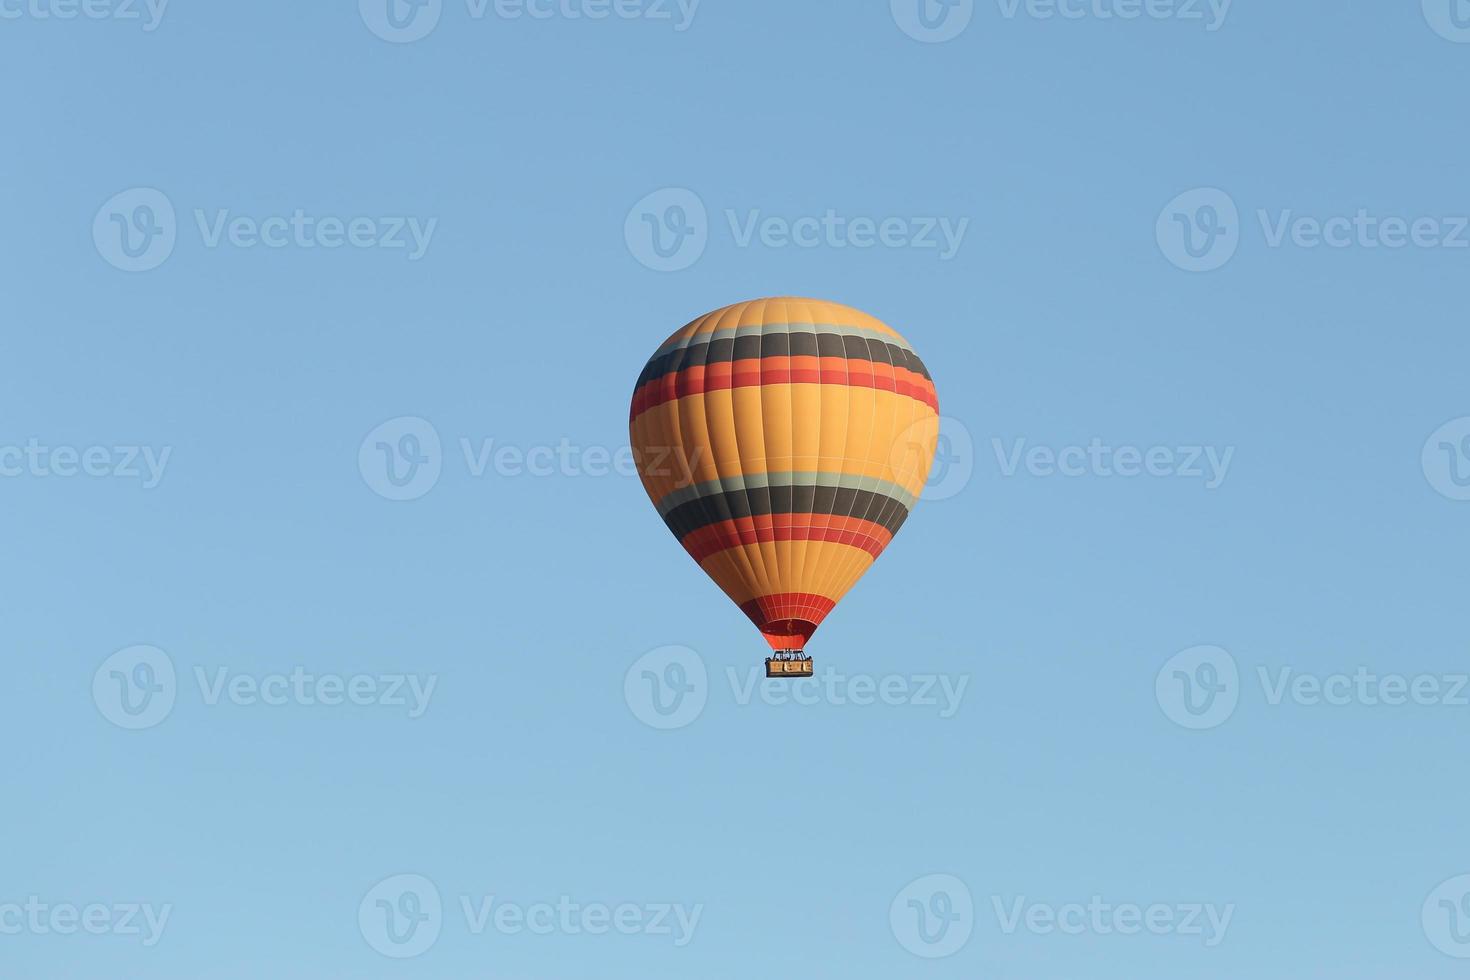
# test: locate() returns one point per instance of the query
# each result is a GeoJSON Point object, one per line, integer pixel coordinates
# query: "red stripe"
{"type": "Point", "coordinates": [768, 610]}
{"type": "Point", "coordinates": [853, 531]}
{"type": "Point", "coordinates": [783, 370]}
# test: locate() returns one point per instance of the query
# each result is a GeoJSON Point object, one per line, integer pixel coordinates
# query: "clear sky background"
{"type": "Point", "coordinates": [1067, 770]}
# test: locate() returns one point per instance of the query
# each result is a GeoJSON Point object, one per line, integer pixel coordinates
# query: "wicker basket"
{"type": "Point", "coordinates": [788, 668]}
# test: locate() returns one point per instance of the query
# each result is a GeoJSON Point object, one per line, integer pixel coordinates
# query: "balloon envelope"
{"type": "Point", "coordinates": [784, 442]}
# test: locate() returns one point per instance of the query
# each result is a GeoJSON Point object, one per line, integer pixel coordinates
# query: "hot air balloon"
{"type": "Point", "coordinates": [784, 441]}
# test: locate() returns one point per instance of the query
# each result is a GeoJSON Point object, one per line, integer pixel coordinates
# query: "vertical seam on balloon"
{"type": "Point", "coordinates": [853, 569]}
{"type": "Point", "coordinates": [847, 576]}
{"type": "Point", "coordinates": [888, 504]}
{"type": "Point", "coordinates": [779, 570]}
{"type": "Point", "coordinates": [891, 507]}
{"type": "Point", "coordinates": [671, 432]}
{"type": "Point", "coordinates": [684, 444]}
{"type": "Point", "coordinates": [820, 552]}
{"type": "Point", "coordinates": [751, 579]}
{"type": "Point", "coordinates": [831, 560]}
{"type": "Point", "coordinates": [796, 582]}
{"type": "Point", "coordinates": [838, 561]}
{"type": "Point", "coordinates": [759, 312]}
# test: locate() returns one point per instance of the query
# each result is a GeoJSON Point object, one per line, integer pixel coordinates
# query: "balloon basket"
{"type": "Point", "coordinates": [789, 665]}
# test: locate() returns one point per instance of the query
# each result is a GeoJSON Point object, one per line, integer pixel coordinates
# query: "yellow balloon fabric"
{"type": "Point", "coordinates": [784, 442]}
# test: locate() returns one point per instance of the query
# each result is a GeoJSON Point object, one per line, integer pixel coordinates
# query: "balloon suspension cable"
{"type": "Point", "coordinates": [789, 663]}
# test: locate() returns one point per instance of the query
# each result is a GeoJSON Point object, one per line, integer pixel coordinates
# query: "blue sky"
{"type": "Point", "coordinates": [1163, 680]}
